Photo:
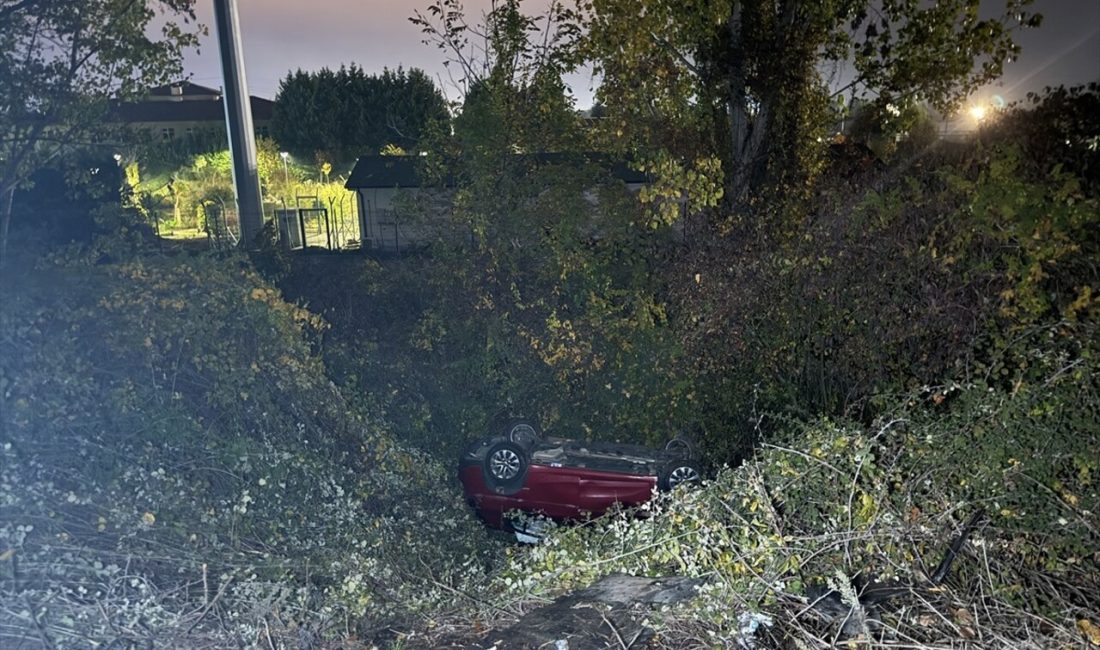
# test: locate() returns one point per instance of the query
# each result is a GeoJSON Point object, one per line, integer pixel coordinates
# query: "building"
{"type": "Point", "coordinates": [395, 207]}
{"type": "Point", "coordinates": [185, 111]}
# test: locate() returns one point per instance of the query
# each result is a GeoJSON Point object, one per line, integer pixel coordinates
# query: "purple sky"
{"type": "Point", "coordinates": [283, 35]}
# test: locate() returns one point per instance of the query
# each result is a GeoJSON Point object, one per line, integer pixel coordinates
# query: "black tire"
{"type": "Point", "coordinates": [522, 432]}
{"type": "Point", "coordinates": [681, 446]}
{"type": "Point", "coordinates": [505, 467]}
{"type": "Point", "coordinates": [679, 472]}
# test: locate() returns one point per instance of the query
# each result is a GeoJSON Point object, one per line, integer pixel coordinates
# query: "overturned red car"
{"type": "Point", "coordinates": [520, 470]}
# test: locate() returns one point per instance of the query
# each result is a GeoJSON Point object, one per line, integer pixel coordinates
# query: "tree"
{"type": "Point", "coordinates": [348, 113]}
{"type": "Point", "coordinates": [61, 64]}
{"type": "Point", "coordinates": [537, 297]}
{"type": "Point", "coordinates": [893, 131]}
{"type": "Point", "coordinates": [1058, 126]}
{"type": "Point", "coordinates": [745, 75]}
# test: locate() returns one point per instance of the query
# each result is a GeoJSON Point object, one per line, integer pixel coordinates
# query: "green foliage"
{"type": "Point", "coordinates": [507, 47]}
{"type": "Point", "coordinates": [828, 501]}
{"type": "Point", "coordinates": [63, 61]}
{"type": "Point", "coordinates": [885, 292]}
{"type": "Point", "coordinates": [514, 79]}
{"type": "Point", "coordinates": [348, 113]}
{"type": "Point", "coordinates": [891, 131]}
{"type": "Point", "coordinates": [545, 311]}
{"type": "Point", "coordinates": [1057, 127]}
{"type": "Point", "coordinates": [208, 180]}
{"type": "Point", "coordinates": [169, 437]}
{"type": "Point", "coordinates": [1028, 426]}
{"type": "Point", "coordinates": [182, 197]}
{"type": "Point", "coordinates": [158, 157]}
{"type": "Point", "coordinates": [680, 189]}
{"type": "Point", "coordinates": [742, 80]}
{"type": "Point", "coordinates": [1040, 238]}
{"type": "Point", "coordinates": [606, 320]}
{"type": "Point", "coordinates": [538, 296]}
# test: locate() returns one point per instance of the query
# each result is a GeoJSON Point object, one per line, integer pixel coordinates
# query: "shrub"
{"type": "Point", "coordinates": [176, 465]}
{"type": "Point", "coordinates": [827, 503]}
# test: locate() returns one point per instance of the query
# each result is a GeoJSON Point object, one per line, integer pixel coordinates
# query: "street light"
{"type": "Point", "coordinates": [286, 172]}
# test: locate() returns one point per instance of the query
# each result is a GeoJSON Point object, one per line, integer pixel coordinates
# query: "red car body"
{"type": "Point", "coordinates": [565, 480]}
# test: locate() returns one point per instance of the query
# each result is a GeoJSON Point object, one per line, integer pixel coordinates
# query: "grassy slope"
{"type": "Point", "coordinates": [175, 465]}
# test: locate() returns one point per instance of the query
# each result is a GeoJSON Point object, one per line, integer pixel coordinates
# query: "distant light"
{"type": "Point", "coordinates": [977, 112]}
{"type": "Point", "coordinates": [284, 154]}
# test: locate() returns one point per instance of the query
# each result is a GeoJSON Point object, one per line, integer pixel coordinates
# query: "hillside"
{"type": "Point", "coordinates": [178, 469]}
{"type": "Point", "coordinates": [901, 364]}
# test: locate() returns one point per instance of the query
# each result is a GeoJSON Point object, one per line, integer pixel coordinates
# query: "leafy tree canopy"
{"type": "Point", "coordinates": [348, 113]}
{"type": "Point", "coordinates": [508, 69]}
{"type": "Point", "coordinates": [747, 77]}
{"type": "Point", "coordinates": [63, 61]}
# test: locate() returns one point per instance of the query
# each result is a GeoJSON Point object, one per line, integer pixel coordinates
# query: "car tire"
{"type": "Point", "coordinates": [681, 446]}
{"type": "Point", "coordinates": [523, 432]}
{"type": "Point", "coordinates": [679, 472]}
{"type": "Point", "coordinates": [505, 467]}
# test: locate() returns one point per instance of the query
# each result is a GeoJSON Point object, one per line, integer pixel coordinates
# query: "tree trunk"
{"type": "Point", "coordinates": [738, 115]}
{"type": "Point", "coordinates": [5, 222]}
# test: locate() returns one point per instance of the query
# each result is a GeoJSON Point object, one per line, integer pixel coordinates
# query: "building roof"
{"type": "Point", "coordinates": [383, 171]}
{"type": "Point", "coordinates": [185, 102]}
{"type": "Point", "coordinates": [402, 171]}
{"type": "Point", "coordinates": [210, 110]}
{"type": "Point", "coordinates": [183, 90]}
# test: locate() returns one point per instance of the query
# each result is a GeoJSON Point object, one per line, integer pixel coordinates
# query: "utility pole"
{"type": "Point", "coordinates": [238, 122]}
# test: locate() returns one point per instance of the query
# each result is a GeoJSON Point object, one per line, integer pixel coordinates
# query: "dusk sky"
{"type": "Point", "coordinates": [284, 35]}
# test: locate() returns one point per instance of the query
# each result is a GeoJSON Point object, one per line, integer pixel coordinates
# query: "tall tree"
{"type": "Point", "coordinates": [748, 74]}
{"type": "Point", "coordinates": [546, 295]}
{"type": "Point", "coordinates": [510, 64]}
{"type": "Point", "coordinates": [348, 113]}
{"type": "Point", "coordinates": [63, 61]}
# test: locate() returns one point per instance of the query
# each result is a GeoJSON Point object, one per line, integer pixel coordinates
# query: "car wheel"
{"type": "Point", "coordinates": [523, 432]}
{"type": "Point", "coordinates": [679, 472]}
{"type": "Point", "coordinates": [681, 446]}
{"type": "Point", "coordinates": [505, 467]}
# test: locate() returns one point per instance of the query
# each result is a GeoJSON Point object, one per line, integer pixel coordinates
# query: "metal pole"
{"type": "Point", "coordinates": [238, 121]}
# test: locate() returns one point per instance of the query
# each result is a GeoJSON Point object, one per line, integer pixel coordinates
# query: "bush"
{"type": "Point", "coordinates": [829, 504]}
{"type": "Point", "coordinates": [177, 467]}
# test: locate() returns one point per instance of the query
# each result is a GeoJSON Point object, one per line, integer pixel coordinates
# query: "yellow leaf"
{"type": "Point", "coordinates": [867, 505]}
{"type": "Point", "coordinates": [8, 554]}
{"type": "Point", "coordinates": [149, 518]}
{"type": "Point", "coordinates": [1091, 632]}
